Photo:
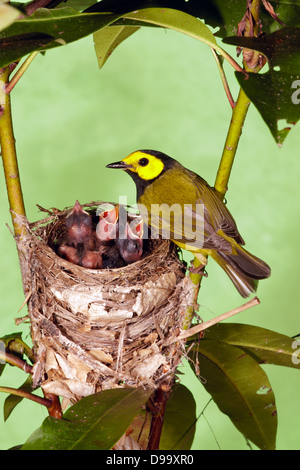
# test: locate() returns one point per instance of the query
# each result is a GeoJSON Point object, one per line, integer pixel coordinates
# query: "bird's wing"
{"type": "Point", "coordinates": [187, 226]}
{"type": "Point", "coordinates": [216, 213]}
{"type": "Point", "coordinates": [191, 214]}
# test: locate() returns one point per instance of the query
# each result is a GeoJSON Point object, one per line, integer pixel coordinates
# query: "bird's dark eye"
{"type": "Point", "coordinates": [143, 162]}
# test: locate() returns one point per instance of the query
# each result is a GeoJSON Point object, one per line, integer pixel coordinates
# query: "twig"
{"type": "Point", "coordinates": [223, 78]}
{"type": "Point", "coordinates": [158, 412]}
{"type": "Point", "coordinates": [25, 301]}
{"type": "Point", "coordinates": [18, 74]}
{"type": "Point", "coordinates": [15, 361]}
{"type": "Point", "coordinates": [28, 395]}
{"type": "Point", "coordinates": [51, 401]}
{"type": "Point", "coordinates": [203, 326]}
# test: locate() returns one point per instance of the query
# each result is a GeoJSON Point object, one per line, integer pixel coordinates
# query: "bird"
{"type": "Point", "coordinates": [130, 237]}
{"type": "Point", "coordinates": [107, 226]}
{"type": "Point", "coordinates": [180, 205]}
{"type": "Point", "coordinates": [79, 226]}
{"type": "Point", "coordinates": [80, 248]}
{"type": "Point", "coordinates": [70, 253]}
{"type": "Point", "coordinates": [91, 259]}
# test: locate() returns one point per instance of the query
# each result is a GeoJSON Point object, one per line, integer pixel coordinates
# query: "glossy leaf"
{"type": "Point", "coordinates": [80, 5]}
{"type": "Point", "coordinates": [94, 423]}
{"type": "Point", "coordinates": [176, 20]}
{"type": "Point", "coordinates": [46, 29]}
{"type": "Point", "coordinates": [204, 10]}
{"type": "Point", "coordinates": [107, 39]}
{"type": "Point", "coordinates": [240, 388]}
{"type": "Point", "coordinates": [265, 346]}
{"type": "Point", "coordinates": [216, 13]}
{"type": "Point", "coordinates": [179, 421]}
{"type": "Point", "coordinates": [282, 48]}
{"type": "Point", "coordinates": [275, 93]}
{"type": "Point", "coordinates": [154, 17]}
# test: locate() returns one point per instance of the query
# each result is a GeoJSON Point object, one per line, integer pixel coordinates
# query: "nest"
{"type": "Point", "coordinates": [97, 329]}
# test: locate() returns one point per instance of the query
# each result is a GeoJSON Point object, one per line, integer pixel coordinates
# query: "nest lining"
{"type": "Point", "coordinates": [95, 329]}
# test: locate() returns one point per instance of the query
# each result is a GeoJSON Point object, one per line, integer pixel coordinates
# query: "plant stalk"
{"type": "Point", "coordinates": [239, 113]}
{"type": "Point", "coordinates": [15, 361]}
{"type": "Point", "coordinates": [9, 157]}
{"type": "Point", "coordinates": [20, 71]}
{"type": "Point", "coordinates": [28, 395]}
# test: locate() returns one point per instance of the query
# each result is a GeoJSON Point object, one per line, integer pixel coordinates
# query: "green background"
{"type": "Point", "coordinates": [159, 90]}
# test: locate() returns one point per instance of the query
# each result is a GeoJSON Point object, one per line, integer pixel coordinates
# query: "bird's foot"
{"type": "Point", "coordinates": [198, 270]}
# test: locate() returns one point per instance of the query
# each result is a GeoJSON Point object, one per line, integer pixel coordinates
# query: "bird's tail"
{"type": "Point", "coordinates": [243, 268]}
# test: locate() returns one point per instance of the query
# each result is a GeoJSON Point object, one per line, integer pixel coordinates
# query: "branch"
{"type": "Point", "coordinates": [28, 395]}
{"type": "Point", "coordinates": [20, 72]}
{"type": "Point", "coordinates": [9, 157]}
{"type": "Point", "coordinates": [158, 412]}
{"type": "Point", "coordinates": [239, 113]}
{"type": "Point", "coordinates": [223, 78]}
{"type": "Point", "coordinates": [15, 361]}
{"type": "Point", "coordinates": [51, 401]}
{"type": "Point", "coordinates": [224, 316]}
{"type": "Point", "coordinates": [249, 26]}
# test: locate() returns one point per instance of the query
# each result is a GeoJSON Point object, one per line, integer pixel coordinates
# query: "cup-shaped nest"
{"type": "Point", "coordinates": [96, 329]}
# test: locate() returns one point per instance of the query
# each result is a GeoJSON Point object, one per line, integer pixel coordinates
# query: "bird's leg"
{"type": "Point", "coordinates": [201, 268]}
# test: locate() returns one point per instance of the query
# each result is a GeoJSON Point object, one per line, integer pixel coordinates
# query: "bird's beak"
{"type": "Point", "coordinates": [120, 165]}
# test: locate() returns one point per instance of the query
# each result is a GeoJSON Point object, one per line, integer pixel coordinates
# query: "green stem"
{"type": "Point", "coordinates": [29, 396]}
{"type": "Point", "coordinates": [9, 157]}
{"type": "Point", "coordinates": [239, 113]}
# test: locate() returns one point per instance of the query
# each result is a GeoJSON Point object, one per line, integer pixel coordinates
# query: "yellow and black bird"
{"type": "Point", "coordinates": [177, 201]}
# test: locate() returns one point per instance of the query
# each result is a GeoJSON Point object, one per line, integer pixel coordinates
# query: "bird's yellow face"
{"type": "Point", "coordinates": [145, 165]}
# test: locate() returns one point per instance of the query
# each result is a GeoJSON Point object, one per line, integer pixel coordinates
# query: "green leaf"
{"type": "Point", "coordinates": [8, 15]}
{"type": "Point", "coordinates": [216, 13]}
{"type": "Point", "coordinates": [176, 20]}
{"type": "Point", "coordinates": [288, 11]}
{"type": "Point", "coordinates": [94, 423]}
{"type": "Point", "coordinates": [107, 39]}
{"type": "Point", "coordinates": [232, 11]}
{"type": "Point", "coordinates": [46, 29]}
{"type": "Point", "coordinates": [13, 400]}
{"type": "Point", "coordinates": [275, 93]}
{"type": "Point", "coordinates": [206, 10]}
{"type": "Point", "coordinates": [158, 17]}
{"type": "Point", "coordinates": [81, 4]}
{"type": "Point", "coordinates": [282, 48]}
{"type": "Point", "coordinates": [179, 421]}
{"type": "Point", "coordinates": [240, 388]}
{"type": "Point", "coordinates": [276, 97]}
{"type": "Point", "coordinates": [181, 22]}
{"type": "Point", "coordinates": [265, 346]}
